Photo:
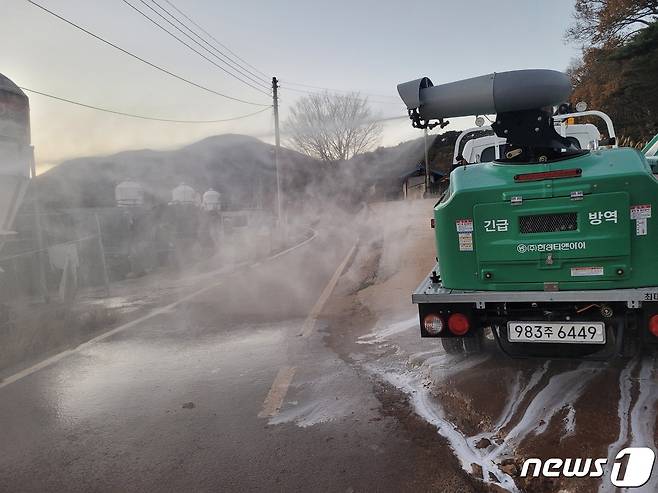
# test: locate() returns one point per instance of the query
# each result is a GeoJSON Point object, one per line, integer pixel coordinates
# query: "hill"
{"type": "Point", "coordinates": [239, 167]}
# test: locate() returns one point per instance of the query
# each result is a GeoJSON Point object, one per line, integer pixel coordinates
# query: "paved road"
{"type": "Point", "coordinates": [189, 400]}
{"type": "Point", "coordinates": [257, 385]}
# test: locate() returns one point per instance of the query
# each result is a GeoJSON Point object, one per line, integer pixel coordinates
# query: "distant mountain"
{"type": "Point", "coordinates": [241, 168]}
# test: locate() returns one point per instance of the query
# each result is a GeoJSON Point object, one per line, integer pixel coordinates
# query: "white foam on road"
{"type": "Point", "coordinates": [569, 423]}
{"type": "Point", "coordinates": [517, 398]}
{"type": "Point", "coordinates": [441, 367]}
{"type": "Point", "coordinates": [422, 356]}
{"type": "Point", "coordinates": [321, 397]}
{"type": "Point", "coordinates": [643, 417]}
{"type": "Point", "coordinates": [427, 409]}
{"type": "Point", "coordinates": [418, 376]}
{"type": "Point", "coordinates": [514, 400]}
{"type": "Point", "coordinates": [562, 390]}
{"type": "Point", "coordinates": [623, 412]}
{"type": "Point", "coordinates": [383, 331]}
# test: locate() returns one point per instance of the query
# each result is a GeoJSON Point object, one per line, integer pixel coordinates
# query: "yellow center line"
{"type": "Point", "coordinates": [283, 379]}
{"type": "Point", "coordinates": [277, 393]}
{"type": "Point", "coordinates": [309, 323]}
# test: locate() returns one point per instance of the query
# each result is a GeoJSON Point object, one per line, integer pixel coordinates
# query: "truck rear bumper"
{"type": "Point", "coordinates": [625, 314]}
{"type": "Point", "coordinates": [430, 292]}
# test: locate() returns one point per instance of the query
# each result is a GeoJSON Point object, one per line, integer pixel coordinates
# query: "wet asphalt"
{"type": "Point", "coordinates": [239, 388]}
{"type": "Point", "coordinates": [173, 402]}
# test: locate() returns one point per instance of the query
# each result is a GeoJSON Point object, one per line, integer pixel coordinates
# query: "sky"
{"type": "Point", "coordinates": [366, 46]}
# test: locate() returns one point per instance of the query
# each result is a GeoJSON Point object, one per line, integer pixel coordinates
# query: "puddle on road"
{"type": "Point", "coordinates": [542, 399]}
{"type": "Point", "coordinates": [120, 303]}
{"type": "Point", "coordinates": [161, 372]}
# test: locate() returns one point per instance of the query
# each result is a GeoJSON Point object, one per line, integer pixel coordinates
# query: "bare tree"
{"type": "Point", "coordinates": [332, 127]}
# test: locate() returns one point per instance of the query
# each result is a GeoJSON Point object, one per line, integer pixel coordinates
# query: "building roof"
{"type": "Point", "coordinates": [8, 85]}
{"type": "Point", "coordinates": [420, 171]}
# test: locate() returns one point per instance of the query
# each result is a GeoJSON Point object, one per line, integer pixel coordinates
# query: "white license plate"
{"type": "Point", "coordinates": [557, 332]}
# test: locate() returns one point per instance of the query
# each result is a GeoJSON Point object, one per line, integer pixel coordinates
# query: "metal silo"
{"type": "Point", "coordinates": [211, 200]}
{"type": "Point", "coordinates": [16, 154]}
{"type": "Point", "coordinates": [185, 195]}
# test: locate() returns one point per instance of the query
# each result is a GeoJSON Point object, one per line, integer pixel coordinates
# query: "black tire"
{"type": "Point", "coordinates": [464, 345]}
{"type": "Point", "coordinates": [631, 346]}
{"type": "Point", "coordinates": [453, 345]}
{"type": "Point", "coordinates": [475, 343]}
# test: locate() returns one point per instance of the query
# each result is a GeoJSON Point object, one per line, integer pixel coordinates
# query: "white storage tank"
{"type": "Point", "coordinates": [211, 200]}
{"type": "Point", "coordinates": [14, 114]}
{"type": "Point", "coordinates": [129, 194]}
{"type": "Point", "coordinates": [184, 194]}
{"type": "Point", "coordinates": [16, 154]}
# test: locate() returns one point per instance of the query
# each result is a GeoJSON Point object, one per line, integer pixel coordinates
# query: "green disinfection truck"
{"type": "Point", "coordinates": [546, 235]}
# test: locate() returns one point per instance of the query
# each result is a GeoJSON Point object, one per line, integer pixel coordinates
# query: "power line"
{"type": "Point", "coordinates": [254, 68]}
{"type": "Point", "coordinates": [186, 44]}
{"type": "Point", "coordinates": [289, 83]}
{"type": "Point", "coordinates": [215, 39]}
{"type": "Point", "coordinates": [141, 117]}
{"type": "Point", "coordinates": [223, 56]}
{"type": "Point", "coordinates": [136, 57]}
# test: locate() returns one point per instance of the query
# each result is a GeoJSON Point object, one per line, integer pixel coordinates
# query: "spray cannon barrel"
{"type": "Point", "coordinates": [500, 92]}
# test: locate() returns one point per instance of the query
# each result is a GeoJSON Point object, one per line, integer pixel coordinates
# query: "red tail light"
{"type": "Point", "coordinates": [549, 175]}
{"type": "Point", "coordinates": [653, 325]}
{"type": "Point", "coordinates": [458, 324]}
{"type": "Point", "coordinates": [433, 324]}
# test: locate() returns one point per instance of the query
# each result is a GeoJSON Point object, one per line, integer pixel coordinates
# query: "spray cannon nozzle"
{"type": "Point", "coordinates": [410, 92]}
{"type": "Point", "coordinates": [500, 92]}
{"type": "Point", "coordinates": [518, 97]}
{"type": "Point", "coordinates": [418, 122]}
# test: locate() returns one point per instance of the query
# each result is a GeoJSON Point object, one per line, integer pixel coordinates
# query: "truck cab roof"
{"type": "Point", "coordinates": [491, 147]}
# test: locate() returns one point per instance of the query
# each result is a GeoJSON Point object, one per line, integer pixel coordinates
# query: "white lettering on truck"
{"type": "Point", "coordinates": [496, 225]}
{"type": "Point", "coordinates": [551, 247]}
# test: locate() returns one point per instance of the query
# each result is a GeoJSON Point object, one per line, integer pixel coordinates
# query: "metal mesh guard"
{"type": "Point", "coordinates": [548, 223]}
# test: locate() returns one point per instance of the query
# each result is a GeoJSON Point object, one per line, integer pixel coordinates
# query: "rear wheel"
{"type": "Point", "coordinates": [464, 345]}
{"type": "Point", "coordinates": [453, 345]}
{"type": "Point", "coordinates": [473, 345]}
{"type": "Point", "coordinates": [631, 346]}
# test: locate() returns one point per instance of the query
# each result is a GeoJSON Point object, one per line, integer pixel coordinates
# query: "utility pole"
{"type": "Point", "coordinates": [429, 126]}
{"type": "Point", "coordinates": [101, 251]}
{"type": "Point", "coordinates": [277, 146]}
{"type": "Point", "coordinates": [427, 167]}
